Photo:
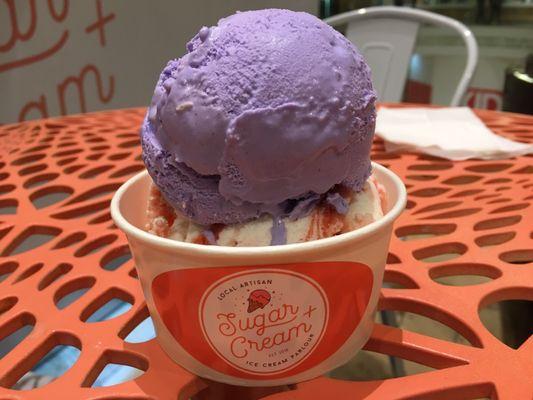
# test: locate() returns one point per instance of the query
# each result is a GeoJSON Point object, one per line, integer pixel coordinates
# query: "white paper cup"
{"type": "Point", "coordinates": [260, 316]}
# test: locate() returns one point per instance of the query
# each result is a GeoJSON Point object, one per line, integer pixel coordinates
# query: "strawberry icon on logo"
{"type": "Point", "coordinates": [259, 298]}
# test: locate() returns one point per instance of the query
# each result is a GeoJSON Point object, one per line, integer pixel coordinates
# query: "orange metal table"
{"type": "Point", "coordinates": [478, 210]}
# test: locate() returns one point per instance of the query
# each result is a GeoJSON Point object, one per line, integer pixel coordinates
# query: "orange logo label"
{"type": "Point", "coordinates": [264, 321]}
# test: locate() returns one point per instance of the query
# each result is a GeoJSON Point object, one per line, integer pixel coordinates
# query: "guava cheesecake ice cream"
{"type": "Point", "coordinates": [334, 215]}
{"type": "Point", "coordinates": [260, 130]}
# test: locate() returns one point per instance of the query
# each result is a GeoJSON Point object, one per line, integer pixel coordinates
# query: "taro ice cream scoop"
{"type": "Point", "coordinates": [267, 110]}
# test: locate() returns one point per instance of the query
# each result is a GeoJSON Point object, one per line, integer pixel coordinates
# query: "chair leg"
{"type": "Point", "coordinates": [389, 318]}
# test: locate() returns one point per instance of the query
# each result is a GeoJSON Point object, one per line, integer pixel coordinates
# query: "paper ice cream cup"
{"type": "Point", "coordinates": [260, 316]}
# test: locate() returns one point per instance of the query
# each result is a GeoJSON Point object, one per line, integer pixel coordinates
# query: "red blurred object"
{"type": "Point", "coordinates": [417, 92]}
{"type": "Point", "coordinates": [488, 99]}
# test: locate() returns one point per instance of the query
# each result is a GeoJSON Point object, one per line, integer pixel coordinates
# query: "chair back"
{"type": "Point", "coordinates": [386, 37]}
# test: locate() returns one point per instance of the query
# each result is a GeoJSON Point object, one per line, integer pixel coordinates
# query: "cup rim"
{"type": "Point", "coordinates": [285, 249]}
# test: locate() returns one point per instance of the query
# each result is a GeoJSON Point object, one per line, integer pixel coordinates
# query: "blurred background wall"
{"type": "Point", "coordinates": [63, 56]}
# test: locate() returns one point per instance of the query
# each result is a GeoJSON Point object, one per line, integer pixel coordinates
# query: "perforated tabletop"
{"type": "Point", "coordinates": [477, 213]}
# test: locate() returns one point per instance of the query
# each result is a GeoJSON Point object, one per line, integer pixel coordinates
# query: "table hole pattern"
{"type": "Point", "coordinates": [514, 207]}
{"type": "Point", "coordinates": [32, 237]}
{"type": "Point", "coordinates": [70, 240]}
{"type": "Point", "coordinates": [494, 223]}
{"type": "Point", "coordinates": [7, 269]}
{"type": "Point", "coordinates": [437, 252]}
{"type": "Point", "coordinates": [438, 206]}
{"type": "Point", "coordinates": [421, 177]}
{"type": "Point", "coordinates": [497, 180]}
{"type": "Point", "coordinates": [54, 275]}
{"type": "Point", "coordinates": [50, 195]}
{"type": "Point", "coordinates": [355, 370]}
{"type": "Point", "coordinates": [29, 272]}
{"type": "Point", "coordinates": [500, 200]}
{"type": "Point", "coordinates": [95, 245]}
{"type": "Point", "coordinates": [7, 303]}
{"type": "Point", "coordinates": [488, 167]}
{"type": "Point", "coordinates": [433, 327]}
{"type": "Point", "coordinates": [398, 280]}
{"type": "Point", "coordinates": [137, 318]}
{"type": "Point", "coordinates": [528, 169]}
{"type": "Point", "coordinates": [96, 171]}
{"type": "Point", "coordinates": [115, 357]}
{"type": "Point", "coordinates": [410, 204]}
{"type": "Point", "coordinates": [393, 259]}
{"type": "Point", "coordinates": [463, 212]}
{"type": "Point", "coordinates": [523, 256]}
{"type": "Point", "coordinates": [72, 291]}
{"type": "Point", "coordinates": [462, 244]}
{"type": "Point", "coordinates": [111, 295]}
{"type": "Point", "coordinates": [462, 280]}
{"type": "Point", "coordinates": [8, 206]}
{"type": "Point", "coordinates": [462, 180]}
{"type": "Point", "coordinates": [133, 273]}
{"type": "Point", "coordinates": [115, 258]}
{"type": "Point", "coordinates": [67, 161]}
{"type": "Point", "coordinates": [494, 239]}
{"type": "Point", "coordinates": [429, 192]}
{"type": "Point", "coordinates": [15, 331]}
{"type": "Point", "coordinates": [83, 210]}
{"type": "Point", "coordinates": [73, 168]}
{"type": "Point", "coordinates": [4, 189]}
{"type": "Point", "coordinates": [45, 347]}
{"type": "Point", "coordinates": [486, 196]}
{"type": "Point", "coordinates": [125, 372]}
{"type": "Point", "coordinates": [39, 180]}
{"type": "Point", "coordinates": [32, 169]}
{"type": "Point", "coordinates": [421, 231]}
{"type": "Point", "coordinates": [520, 317]}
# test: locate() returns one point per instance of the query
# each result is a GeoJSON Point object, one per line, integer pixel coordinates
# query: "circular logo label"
{"type": "Point", "coordinates": [264, 321]}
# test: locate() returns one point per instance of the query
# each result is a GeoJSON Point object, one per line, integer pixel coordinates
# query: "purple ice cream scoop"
{"type": "Point", "coordinates": [266, 109]}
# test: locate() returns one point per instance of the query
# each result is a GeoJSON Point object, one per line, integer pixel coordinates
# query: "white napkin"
{"type": "Point", "coordinates": [454, 133]}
